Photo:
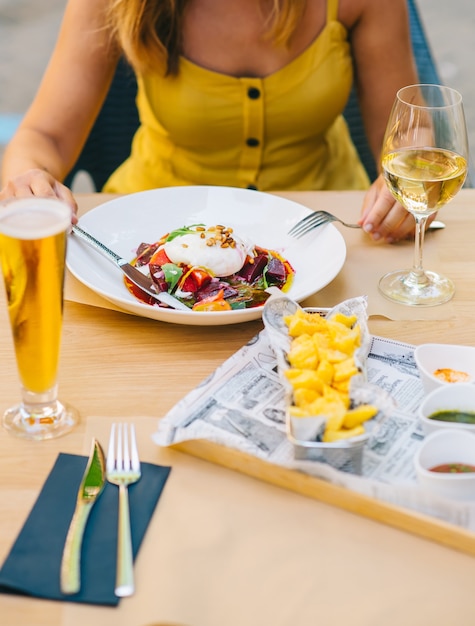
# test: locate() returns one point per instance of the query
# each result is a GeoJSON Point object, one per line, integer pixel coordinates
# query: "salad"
{"type": "Point", "coordinates": [210, 268]}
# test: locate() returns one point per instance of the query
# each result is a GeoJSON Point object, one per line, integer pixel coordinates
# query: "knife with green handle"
{"type": "Point", "coordinates": [91, 486]}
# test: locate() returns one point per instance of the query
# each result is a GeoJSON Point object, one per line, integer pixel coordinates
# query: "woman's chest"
{"type": "Point", "coordinates": [233, 37]}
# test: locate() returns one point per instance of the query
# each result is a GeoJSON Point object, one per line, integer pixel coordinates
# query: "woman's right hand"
{"type": "Point", "coordinates": [38, 182]}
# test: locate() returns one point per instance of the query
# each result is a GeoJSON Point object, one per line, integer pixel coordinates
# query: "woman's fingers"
{"type": "Point", "coordinates": [39, 183]}
{"type": "Point", "coordinates": [65, 194]}
{"type": "Point", "coordinates": [382, 217]}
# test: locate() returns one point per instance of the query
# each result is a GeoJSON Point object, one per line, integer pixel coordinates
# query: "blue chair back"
{"type": "Point", "coordinates": [428, 74]}
{"type": "Point", "coordinates": [110, 139]}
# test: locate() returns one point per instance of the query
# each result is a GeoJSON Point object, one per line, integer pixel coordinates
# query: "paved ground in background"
{"type": "Point", "coordinates": [28, 31]}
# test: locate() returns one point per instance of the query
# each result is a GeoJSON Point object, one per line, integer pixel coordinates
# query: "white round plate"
{"type": "Point", "coordinates": [124, 223]}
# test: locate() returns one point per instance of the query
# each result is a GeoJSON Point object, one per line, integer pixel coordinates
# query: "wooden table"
{"type": "Point", "coordinates": [226, 549]}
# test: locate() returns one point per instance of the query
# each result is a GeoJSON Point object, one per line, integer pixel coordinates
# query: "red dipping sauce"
{"type": "Point", "coordinates": [453, 468]}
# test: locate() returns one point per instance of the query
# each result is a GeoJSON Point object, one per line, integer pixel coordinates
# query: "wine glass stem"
{"type": "Point", "coordinates": [417, 273]}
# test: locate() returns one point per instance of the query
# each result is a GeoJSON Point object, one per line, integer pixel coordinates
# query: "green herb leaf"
{"type": "Point", "coordinates": [172, 273]}
{"type": "Point", "coordinates": [264, 273]}
{"type": "Point", "coordinates": [184, 230]}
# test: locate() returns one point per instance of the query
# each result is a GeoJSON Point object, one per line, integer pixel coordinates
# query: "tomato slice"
{"type": "Point", "coordinates": [159, 257]}
{"type": "Point", "coordinates": [195, 279]}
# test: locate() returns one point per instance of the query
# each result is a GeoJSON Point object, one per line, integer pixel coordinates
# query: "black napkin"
{"type": "Point", "coordinates": [33, 565]}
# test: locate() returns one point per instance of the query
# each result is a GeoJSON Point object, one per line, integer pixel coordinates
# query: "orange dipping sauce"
{"type": "Point", "coordinates": [451, 376]}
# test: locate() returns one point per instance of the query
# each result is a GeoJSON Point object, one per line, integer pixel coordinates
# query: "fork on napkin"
{"type": "Point", "coordinates": [123, 469]}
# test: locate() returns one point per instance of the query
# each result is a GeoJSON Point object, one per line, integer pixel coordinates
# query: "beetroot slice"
{"type": "Point", "coordinates": [275, 271]}
{"type": "Point", "coordinates": [251, 271]}
{"type": "Point", "coordinates": [212, 289]}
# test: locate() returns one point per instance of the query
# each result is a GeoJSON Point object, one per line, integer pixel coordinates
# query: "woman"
{"type": "Point", "coordinates": [242, 93]}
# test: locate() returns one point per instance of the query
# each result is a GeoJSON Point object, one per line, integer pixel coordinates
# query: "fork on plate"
{"type": "Point", "coordinates": [123, 469]}
{"type": "Point", "coordinates": [314, 220]}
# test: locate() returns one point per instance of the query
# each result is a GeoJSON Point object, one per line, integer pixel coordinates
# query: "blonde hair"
{"type": "Point", "coordinates": [149, 32]}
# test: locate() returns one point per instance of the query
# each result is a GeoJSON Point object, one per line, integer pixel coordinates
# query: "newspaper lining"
{"type": "Point", "coordinates": [242, 405]}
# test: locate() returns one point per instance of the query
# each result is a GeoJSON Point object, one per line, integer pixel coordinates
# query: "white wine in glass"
{"type": "Point", "coordinates": [424, 162]}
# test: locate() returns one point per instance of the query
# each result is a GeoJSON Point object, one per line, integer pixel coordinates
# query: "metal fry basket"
{"type": "Point", "coordinates": [345, 455]}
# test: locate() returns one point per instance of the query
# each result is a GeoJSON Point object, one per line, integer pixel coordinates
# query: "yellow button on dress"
{"type": "Point", "coordinates": [284, 131]}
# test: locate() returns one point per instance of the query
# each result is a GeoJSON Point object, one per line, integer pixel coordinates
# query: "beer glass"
{"type": "Point", "coordinates": [33, 236]}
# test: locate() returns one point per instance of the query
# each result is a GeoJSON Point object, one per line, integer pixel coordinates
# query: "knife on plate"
{"type": "Point", "coordinates": [143, 282]}
{"type": "Point", "coordinates": [91, 486]}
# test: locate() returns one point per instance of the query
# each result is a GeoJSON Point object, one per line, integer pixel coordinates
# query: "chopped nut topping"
{"type": "Point", "coordinates": [221, 236]}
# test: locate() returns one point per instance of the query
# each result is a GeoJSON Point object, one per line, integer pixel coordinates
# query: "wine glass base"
{"type": "Point", "coordinates": [19, 422]}
{"type": "Point", "coordinates": [404, 287]}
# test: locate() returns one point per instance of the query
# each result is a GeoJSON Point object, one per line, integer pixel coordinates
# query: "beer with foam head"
{"type": "Point", "coordinates": [32, 252]}
{"type": "Point", "coordinates": [33, 233]}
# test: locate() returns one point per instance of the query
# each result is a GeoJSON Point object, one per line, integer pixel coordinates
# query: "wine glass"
{"type": "Point", "coordinates": [424, 161]}
{"type": "Point", "coordinates": [33, 235]}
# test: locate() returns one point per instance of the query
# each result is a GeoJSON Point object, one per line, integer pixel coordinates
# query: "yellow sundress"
{"type": "Point", "coordinates": [284, 131]}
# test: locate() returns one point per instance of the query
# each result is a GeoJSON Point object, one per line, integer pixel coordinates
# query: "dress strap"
{"type": "Point", "coordinates": [332, 10]}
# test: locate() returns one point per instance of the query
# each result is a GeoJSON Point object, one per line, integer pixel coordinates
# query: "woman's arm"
{"type": "Point", "coordinates": [55, 127]}
{"type": "Point", "coordinates": [384, 63]}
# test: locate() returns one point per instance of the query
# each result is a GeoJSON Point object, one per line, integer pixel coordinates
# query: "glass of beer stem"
{"type": "Point", "coordinates": [33, 239]}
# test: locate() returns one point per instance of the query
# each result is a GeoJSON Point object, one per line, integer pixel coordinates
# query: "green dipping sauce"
{"type": "Point", "coordinates": [460, 417]}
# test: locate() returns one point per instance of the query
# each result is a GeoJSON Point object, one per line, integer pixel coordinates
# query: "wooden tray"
{"type": "Point", "coordinates": [312, 487]}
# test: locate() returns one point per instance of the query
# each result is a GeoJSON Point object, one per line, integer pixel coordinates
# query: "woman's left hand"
{"type": "Point", "coordinates": [383, 218]}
